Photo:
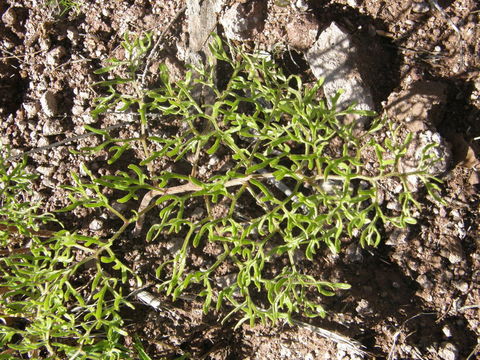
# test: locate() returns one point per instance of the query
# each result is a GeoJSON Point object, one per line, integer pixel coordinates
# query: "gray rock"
{"type": "Point", "coordinates": [9, 18]}
{"type": "Point", "coordinates": [448, 351]}
{"type": "Point", "coordinates": [332, 57]}
{"type": "Point", "coordinates": [242, 21]}
{"type": "Point", "coordinates": [45, 171]}
{"type": "Point", "coordinates": [202, 20]}
{"type": "Point", "coordinates": [414, 154]}
{"type": "Point", "coordinates": [96, 225]}
{"type": "Point", "coordinates": [353, 253]}
{"type": "Point", "coordinates": [49, 103]}
{"type": "Point", "coordinates": [54, 56]}
{"type": "Point", "coordinates": [424, 282]}
{"type": "Point", "coordinates": [52, 127]}
{"type": "Point", "coordinates": [461, 286]}
{"type": "Point", "coordinates": [421, 7]}
{"type": "Point", "coordinates": [31, 109]}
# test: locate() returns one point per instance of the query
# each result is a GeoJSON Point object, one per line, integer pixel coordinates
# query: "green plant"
{"type": "Point", "coordinates": [297, 181]}
{"type": "Point", "coordinates": [44, 312]}
{"type": "Point", "coordinates": [274, 129]}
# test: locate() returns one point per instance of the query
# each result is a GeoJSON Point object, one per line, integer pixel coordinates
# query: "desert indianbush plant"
{"type": "Point", "coordinates": [295, 180]}
{"type": "Point", "coordinates": [274, 132]}
{"type": "Point", "coordinates": [43, 313]}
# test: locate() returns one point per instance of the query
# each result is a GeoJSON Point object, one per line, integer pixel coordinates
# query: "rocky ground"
{"type": "Point", "coordinates": [417, 295]}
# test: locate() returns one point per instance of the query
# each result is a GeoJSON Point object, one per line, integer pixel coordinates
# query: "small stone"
{"type": "Point", "coordinates": [421, 7]}
{"type": "Point", "coordinates": [42, 141]}
{"type": "Point", "coordinates": [424, 282]}
{"type": "Point", "coordinates": [49, 103]}
{"type": "Point", "coordinates": [88, 119]}
{"type": "Point", "coordinates": [9, 18]}
{"type": "Point", "coordinates": [213, 160]}
{"type": "Point", "coordinates": [448, 351]}
{"type": "Point", "coordinates": [77, 110]}
{"type": "Point", "coordinates": [242, 21]}
{"type": "Point", "coordinates": [394, 205]}
{"type": "Point", "coordinates": [31, 109]}
{"type": "Point", "coordinates": [353, 253]}
{"type": "Point", "coordinates": [45, 171]}
{"type": "Point", "coordinates": [454, 258]}
{"type": "Point", "coordinates": [54, 56]}
{"type": "Point", "coordinates": [52, 127]}
{"type": "Point", "coordinates": [461, 286]}
{"type": "Point", "coordinates": [96, 225]}
{"type": "Point", "coordinates": [330, 58]}
{"type": "Point", "coordinates": [72, 35]}
{"type": "Point", "coordinates": [447, 331]}
{"type": "Point", "coordinates": [363, 307]}
{"type": "Point", "coordinates": [301, 5]}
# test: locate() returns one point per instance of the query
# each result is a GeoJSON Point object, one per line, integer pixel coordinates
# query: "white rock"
{"type": "Point", "coordinates": [52, 127]}
{"type": "Point", "coordinates": [448, 351]}
{"type": "Point", "coordinates": [96, 225]}
{"type": "Point", "coordinates": [363, 307]}
{"type": "Point", "coordinates": [424, 282]}
{"type": "Point", "coordinates": [455, 258]}
{"type": "Point", "coordinates": [331, 58]}
{"type": "Point", "coordinates": [31, 109]}
{"type": "Point", "coordinates": [45, 171]}
{"type": "Point", "coordinates": [241, 21]}
{"type": "Point", "coordinates": [421, 7]}
{"type": "Point", "coordinates": [77, 110]}
{"type": "Point", "coordinates": [447, 331]}
{"type": "Point", "coordinates": [411, 161]}
{"type": "Point", "coordinates": [48, 101]}
{"type": "Point", "coordinates": [54, 56]}
{"type": "Point", "coordinates": [352, 3]}
{"type": "Point", "coordinates": [461, 285]}
{"type": "Point", "coordinates": [301, 5]}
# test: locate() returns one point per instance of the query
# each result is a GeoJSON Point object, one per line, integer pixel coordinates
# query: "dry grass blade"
{"type": "Point", "coordinates": [353, 345]}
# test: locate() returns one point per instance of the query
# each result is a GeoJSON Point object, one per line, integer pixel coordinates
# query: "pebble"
{"type": "Point", "coordinates": [363, 307]}
{"type": "Point", "coordinates": [96, 225]}
{"type": "Point", "coordinates": [48, 101]}
{"type": "Point", "coordinates": [461, 285]}
{"type": "Point", "coordinates": [447, 331]}
{"type": "Point", "coordinates": [9, 17]}
{"type": "Point", "coordinates": [54, 56]}
{"type": "Point", "coordinates": [301, 5]}
{"type": "Point", "coordinates": [421, 7]}
{"type": "Point", "coordinates": [240, 21]}
{"type": "Point", "coordinates": [454, 258]}
{"type": "Point", "coordinates": [45, 170]}
{"type": "Point", "coordinates": [51, 127]}
{"type": "Point", "coordinates": [31, 109]}
{"type": "Point", "coordinates": [448, 351]}
{"type": "Point", "coordinates": [424, 282]}
{"type": "Point", "coordinates": [77, 110]}
{"type": "Point", "coordinates": [353, 253]}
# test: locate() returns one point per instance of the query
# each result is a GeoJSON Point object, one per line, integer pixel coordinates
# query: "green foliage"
{"type": "Point", "coordinates": [298, 183]}
{"type": "Point", "coordinates": [274, 128]}
{"type": "Point", "coordinates": [42, 310]}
